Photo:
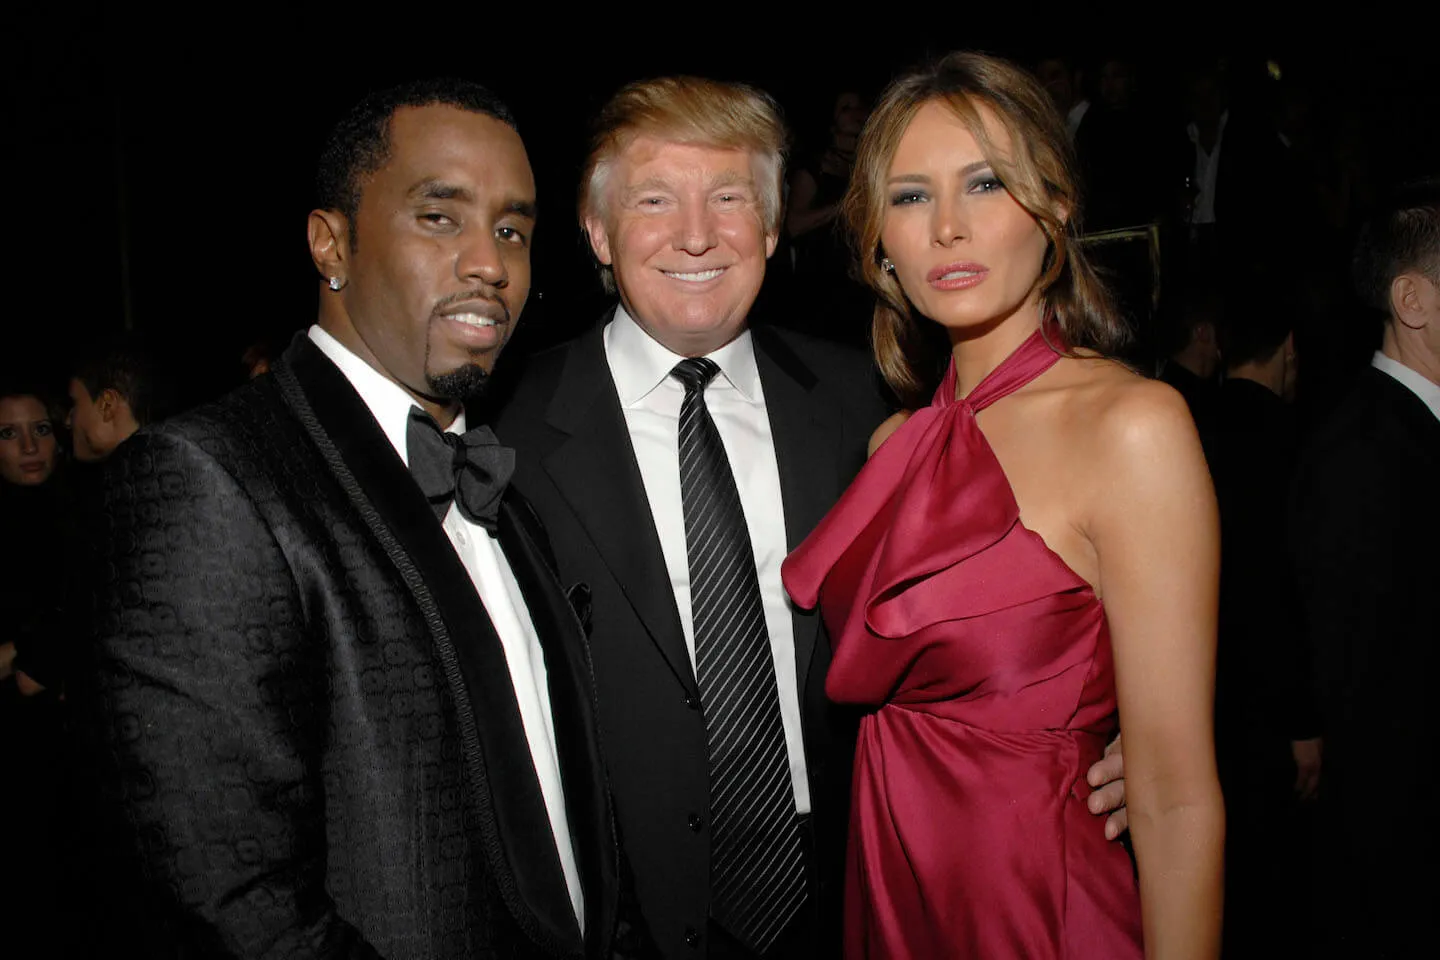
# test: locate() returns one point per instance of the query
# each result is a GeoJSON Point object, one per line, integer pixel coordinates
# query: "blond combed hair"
{"type": "Point", "coordinates": [1038, 171]}
{"type": "Point", "coordinates": [694, 111]}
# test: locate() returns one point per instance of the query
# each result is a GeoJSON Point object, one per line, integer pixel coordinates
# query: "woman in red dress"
{"type": "Point", "coordinates": [1028, 557]}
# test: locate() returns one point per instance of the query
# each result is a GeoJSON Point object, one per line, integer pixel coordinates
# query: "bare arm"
{"type": "Point", "coordinates": [1156, 535]}
{"type": "Point", "coordinates": [802, 217]}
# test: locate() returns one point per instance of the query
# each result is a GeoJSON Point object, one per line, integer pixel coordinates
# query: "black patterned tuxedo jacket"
{"type": "Point", "coordinates": [576, 465]}
{"type": "Point", "coordinates": [308, 722]}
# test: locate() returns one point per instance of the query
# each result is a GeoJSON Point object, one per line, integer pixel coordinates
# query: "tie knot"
{"type": "Point", "coordinates": [695, 372]}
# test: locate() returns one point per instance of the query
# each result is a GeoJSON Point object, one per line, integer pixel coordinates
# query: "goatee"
{"type": "Point", "coordinates": [463, 383]}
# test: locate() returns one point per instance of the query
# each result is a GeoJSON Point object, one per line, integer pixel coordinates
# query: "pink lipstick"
{"type": "Point", "coordinates": [957, 276]}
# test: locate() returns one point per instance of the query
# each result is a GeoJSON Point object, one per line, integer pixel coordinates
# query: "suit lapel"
{"type": "Point", "coordinates": [807, 439]}
{"type": "Point", "coordinates": [596, 472]}
{"type": "Point", "coordinates": [513, 822]}
{"type": "Point", "coordinates": [572, 706]}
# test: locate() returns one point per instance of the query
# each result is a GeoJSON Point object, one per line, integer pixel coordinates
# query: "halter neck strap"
{"type": "Point", "coordinates": [1037, 354]}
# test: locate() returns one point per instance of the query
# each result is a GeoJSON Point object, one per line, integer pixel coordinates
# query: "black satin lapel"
{"type": "Point", "coordinates": [595, 470]}
{"type": "Point", "coordinates": [572, 706]}
{"type": "Point", "coordinates": [807, 450]}
{"type": "Point", "coordinates": [393, 506]}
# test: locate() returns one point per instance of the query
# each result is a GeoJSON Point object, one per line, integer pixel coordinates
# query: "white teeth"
{"type": "Point", "coordinates": [957, 274]}
{"type": "Point", "coordinates": [473, 319]}
{"type": "Point", "coordinates": [700, 277]}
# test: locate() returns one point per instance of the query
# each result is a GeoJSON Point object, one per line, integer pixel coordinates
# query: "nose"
{"type": "Point", "coordinates": [27, 441]}
{"type": "Point", "coordinates": [480, 259]}
{"type": "Point", "coordinates": [947, 223]}
{"type": "Point", "coordinates": [696, 230]}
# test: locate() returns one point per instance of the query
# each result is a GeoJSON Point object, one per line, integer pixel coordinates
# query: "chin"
{"type": "Point", "coordinates": [462, 383]}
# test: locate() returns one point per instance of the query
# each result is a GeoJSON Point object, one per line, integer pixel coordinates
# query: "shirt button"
{"type": "Point", "coordinates": [692, 937]}
{"type": "Point", "coordinates": [696, 824]}
{"type": "Point", "coordinates": [460, 537]}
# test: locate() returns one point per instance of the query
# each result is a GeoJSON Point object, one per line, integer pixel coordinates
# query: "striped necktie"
{"type": "Point", "coordinates": [757, 865]}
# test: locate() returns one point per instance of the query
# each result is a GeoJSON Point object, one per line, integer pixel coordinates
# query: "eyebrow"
{"type": "Point", "coordinates": [433, 189]}
{"type": "Point", "coordinates": [965, 171]}
{"type": "Point", "coordinates": [440, 190]}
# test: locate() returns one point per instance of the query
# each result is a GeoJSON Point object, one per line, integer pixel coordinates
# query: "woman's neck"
{"type": "Point", "coordinates": [977, 352]}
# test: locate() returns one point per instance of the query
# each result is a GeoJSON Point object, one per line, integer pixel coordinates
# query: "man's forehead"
{"type": "Point", "coordinates": [441, 135]}
{"type": "Point", "coordinates": [649, 156]}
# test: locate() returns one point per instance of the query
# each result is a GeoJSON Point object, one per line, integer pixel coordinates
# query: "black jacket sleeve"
{"type": "Point", "coordinates": [206, 701]}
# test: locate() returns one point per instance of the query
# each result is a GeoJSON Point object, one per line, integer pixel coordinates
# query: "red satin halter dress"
{"type": "Point", "coordinates": [986, 662]}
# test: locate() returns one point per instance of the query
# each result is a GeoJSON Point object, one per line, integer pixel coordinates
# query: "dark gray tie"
{"type": "Point", "coordinates": [757, 866]}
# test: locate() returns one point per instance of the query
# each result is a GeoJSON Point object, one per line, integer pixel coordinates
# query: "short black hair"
{"type": "Point", "coordinates": [1256, 325]}
{"type": "Point", "coordinates": [123, 364]}
{"type": "Point", "coordinates": [1403, 235]}
{"type": "Point", "coordinates": [360, 143]}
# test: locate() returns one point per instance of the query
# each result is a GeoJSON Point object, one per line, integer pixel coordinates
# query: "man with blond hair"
{"type": "Point", "coordinates": [676, 454]}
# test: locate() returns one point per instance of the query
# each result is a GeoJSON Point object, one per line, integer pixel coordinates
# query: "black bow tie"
{"type": "Point", "coordinates": [470, 468]}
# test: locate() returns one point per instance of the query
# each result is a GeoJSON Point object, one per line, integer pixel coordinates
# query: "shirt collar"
{"type": "Point", "coordinates": [389, 404]}
{"type": "Point", "coordinates": [639, 363]}
{"type": "Point", "coordinates": [1416, 383]}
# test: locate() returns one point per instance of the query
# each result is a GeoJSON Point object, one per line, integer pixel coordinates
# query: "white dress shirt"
{"type": "Point", "coordinates": [1416, 383]}
{"type": "Point", "coordinates": [650, 399]}
{"type": "Point", "coordinates": [499, 592]}
{"type": "Point", "coordinates": [1075, 116]}
{"type": "Point", "coordinates": [1207, 171]}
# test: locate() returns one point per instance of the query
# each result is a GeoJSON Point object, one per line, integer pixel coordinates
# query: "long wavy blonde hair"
{"type": "Point", "coordinates": [1038, 171]}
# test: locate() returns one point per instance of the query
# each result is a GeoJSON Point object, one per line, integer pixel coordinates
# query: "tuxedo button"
{"type": "Point", "coordinates": [696, 824]}
{"type": "Point", "coordinates": [692, 937]}
{"type": "Point", "coordinates": [692, 703]}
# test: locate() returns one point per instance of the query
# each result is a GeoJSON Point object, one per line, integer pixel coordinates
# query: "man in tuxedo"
{"type": "Point", "coordinates": [346, 708]}
{"type": "Point", "coordinates": [1365, 533]}
{"type": "Point", "coordinates": [676, 455]}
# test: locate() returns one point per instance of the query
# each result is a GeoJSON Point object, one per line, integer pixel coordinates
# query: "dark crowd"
{"type": "Point", "coordinates": [1273, 263]}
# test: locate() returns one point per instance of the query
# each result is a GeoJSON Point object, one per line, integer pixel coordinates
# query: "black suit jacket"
{"type": "Point", "coordinates": [577, 466]}
{"type": "Point", "coordinates": [308, 723]}
{"type": "Point", "coordinates": [1366, 534]}
{"type": "Point", "coordinates": [1264, 689]}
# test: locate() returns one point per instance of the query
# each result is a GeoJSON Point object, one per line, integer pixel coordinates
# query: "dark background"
{"type": "Point", "coordinates": [158, 169]}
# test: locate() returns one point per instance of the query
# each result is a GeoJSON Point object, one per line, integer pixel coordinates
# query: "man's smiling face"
{"type": "Point", "coordinates": [685, 233]}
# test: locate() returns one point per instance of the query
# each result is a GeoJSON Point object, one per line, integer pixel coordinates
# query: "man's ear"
{"type": "Point", "coordinates": [108, 404]}
{"type": "Point", "coordinates": [1414, 300]}
{"type": "Point", "coordinates": [329, 234]}
{"type": "Point", "coordinates": [771, 239]}
{"type": "Point", "coordinates": [113, 404]}
{"type": "Point", "coordinates": [599, 240]}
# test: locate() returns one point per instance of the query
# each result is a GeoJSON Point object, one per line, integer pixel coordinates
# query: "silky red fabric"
{"type": "Point", "coordinates": [987, 662]}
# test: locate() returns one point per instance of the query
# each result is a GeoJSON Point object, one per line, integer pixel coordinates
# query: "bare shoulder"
{"type": "Point", "coordinates": [1124, 413]}
{"type": "Point", "coordinates": [882, 432]}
